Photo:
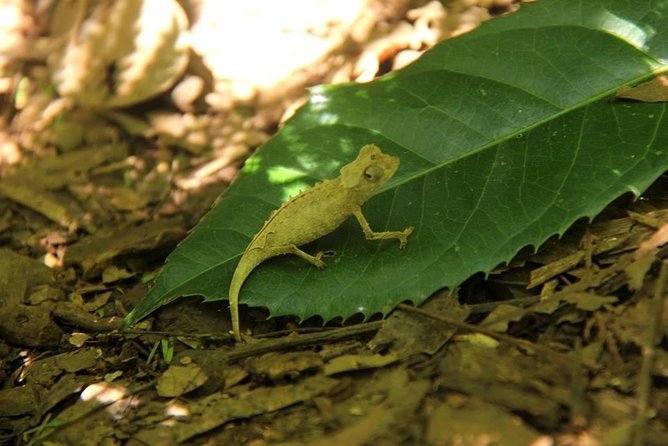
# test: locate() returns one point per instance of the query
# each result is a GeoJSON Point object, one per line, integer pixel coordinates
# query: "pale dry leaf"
{"type": "Point", "coordinates": [14, 23]}
{"type": "Point", "coordinates": [118, 53]}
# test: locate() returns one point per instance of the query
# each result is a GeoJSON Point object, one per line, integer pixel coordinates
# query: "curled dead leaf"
{"type": "Point", "coordinates": [118, 53]}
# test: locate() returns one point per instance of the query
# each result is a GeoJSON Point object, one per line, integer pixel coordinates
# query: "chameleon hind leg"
{"type": "Point", "coordinates": [315, 260]}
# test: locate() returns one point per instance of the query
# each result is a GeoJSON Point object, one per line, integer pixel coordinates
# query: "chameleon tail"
{"type": "Point", "coordinates": [246, 265]}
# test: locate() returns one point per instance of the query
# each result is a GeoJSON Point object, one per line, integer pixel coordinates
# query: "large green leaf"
{"type": "Point", "coordinates": [506, 135]}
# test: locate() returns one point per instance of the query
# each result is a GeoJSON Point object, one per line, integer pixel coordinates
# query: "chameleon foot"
{"type": "Point", "coordinates": [403, 238]}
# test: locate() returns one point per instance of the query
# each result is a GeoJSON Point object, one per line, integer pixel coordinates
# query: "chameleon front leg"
{"type": "Point", "coordinates": [402, 236]}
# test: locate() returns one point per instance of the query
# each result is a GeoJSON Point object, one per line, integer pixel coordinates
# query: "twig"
{"type": "Point", "coordinates": [648, 357]}
{"type": "Point", "coordinates": [289, 342]}
{"type": "Point", "coordinates": [489, 306]}
{"type": "Point", "coordinates": [223, 336]}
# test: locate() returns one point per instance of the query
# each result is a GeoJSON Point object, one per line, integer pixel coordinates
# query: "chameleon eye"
{"type": "Point", "coordinates": [373, 173]}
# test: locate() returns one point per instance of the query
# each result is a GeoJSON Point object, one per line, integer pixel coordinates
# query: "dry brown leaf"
{"type": "Point", "coordinates": [405, 333]}
{"type": "Point", "coordinates": [19, 400]}
{"type": "Point", "coordinates": [347, 363]}
{"type": "Point", "coordinates": [586, 301]}
{"type": "Point", "coordinates": [215, 410]}
{"type": "Point", "coordinates": [96, 252]}
{"type": "Point", "coordinates": [508, 378]}
{"type": "Point", "coordinates": [382, 420]}
{"type": "Point", "coordinates": [180, 379]}
{"type": "Point", "coordinates": [43, 371]}
{"type": "Point", "coordinates": [274, 366]}
{"type": "Point", "coordinates": [655, 90]}
{"type": "Point", "coordinates": [499, 318]}
{"type": "Point", "coordinates": [638, 268]}
{"type": "Point", "coordinates": [632, 323]}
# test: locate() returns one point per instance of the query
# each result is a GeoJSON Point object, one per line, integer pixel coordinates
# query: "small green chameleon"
{"type": "Point", "coordinates": [316, 212]}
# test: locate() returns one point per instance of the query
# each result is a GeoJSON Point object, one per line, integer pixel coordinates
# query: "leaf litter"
{"type": "Point", "coordinates": [566, 345]}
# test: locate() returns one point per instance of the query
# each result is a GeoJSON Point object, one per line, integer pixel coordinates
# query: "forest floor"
{"type": "Point", "coordinates": [110, 152]}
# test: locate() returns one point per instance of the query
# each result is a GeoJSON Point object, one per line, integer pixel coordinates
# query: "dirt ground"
{"type": "Point", "coordinates": [112, 147]}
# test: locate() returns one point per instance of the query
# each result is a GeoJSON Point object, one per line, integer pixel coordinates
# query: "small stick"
{"type": "Point", "coordinates": [648, 356]}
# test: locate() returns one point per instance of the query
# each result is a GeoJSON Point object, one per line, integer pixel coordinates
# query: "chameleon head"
{"type": "Point", "coordinates": [370, 170]}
